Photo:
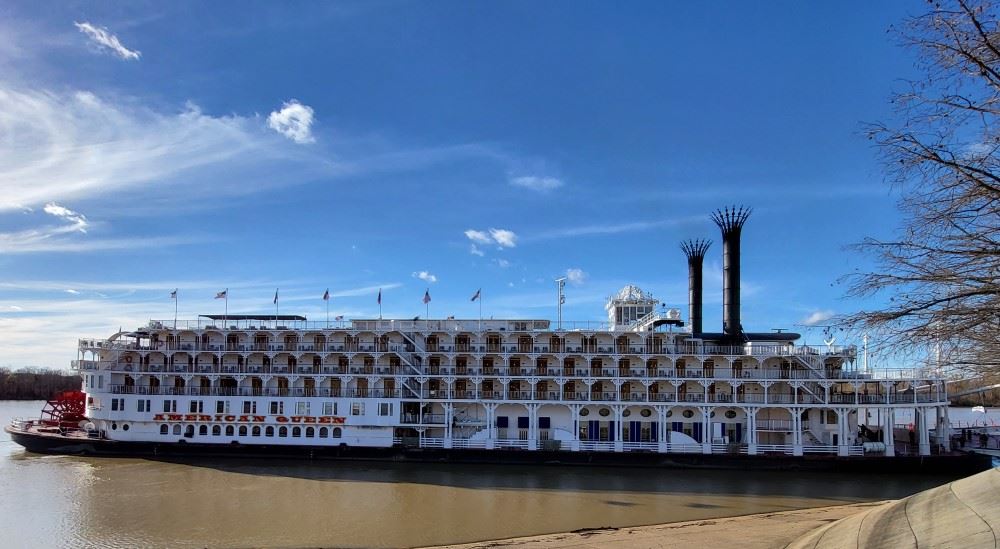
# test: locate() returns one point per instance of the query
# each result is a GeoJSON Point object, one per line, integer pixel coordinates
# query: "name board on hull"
{"type": "Point", "coordinates": [230, 418]}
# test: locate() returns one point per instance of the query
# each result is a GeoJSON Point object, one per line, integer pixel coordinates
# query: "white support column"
{"type": "Point", "coordinates": [796, 432]}
{"type": "Point", "coordinates": [574, 410]}
{"type": "Point", "coordinates": [923, 435]}
{"type": "Point", "coordinates": [661, 428]}
{"type": "Point", "coordinates": [842, 445]}
{"type": "Point", "coordinates": [491, 426]}
{"type": "Point", "coordinates": [619, 446]}
{"type": "Point", "coordinates": [706, 428]}
{"type": "Point", "coordinates": [889, 420]}
{"type": "Point", "coordinates": [449, 414]}
{"type": "Point", "coordinates": [533, 426]}
{"type": "Point", "coordinates": [751, 414]}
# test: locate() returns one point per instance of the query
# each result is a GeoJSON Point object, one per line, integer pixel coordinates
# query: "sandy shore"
{"type": "Point", "coordinates": [765, 530]}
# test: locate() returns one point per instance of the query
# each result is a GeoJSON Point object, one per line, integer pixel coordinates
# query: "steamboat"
{"type": "Point", "coordinates": [643, 388]}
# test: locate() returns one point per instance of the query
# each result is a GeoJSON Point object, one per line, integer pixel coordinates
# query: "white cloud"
{"type": "Point", "coordinates": [474, 250]}
{"type": "Point", "coordinates": [818, 317]}
{"type": "Point", "coordinates": [79, 221]}
{"type": "Point", "coordinates": [479, 237]}
{"type": "Point", "coordinates": [15, 308]}
{"type": "Point", "coordinates": [504, 238]}
{"type": "Point", "coordinates": [425, 276]}
{"type": "Point", "coordinates": [502, 263]}
{"type": "Point", "coordinates": [72, 291]}
{"type": "Point", "coordinates": [535, 183]}
{"type": "Point", "coordinates": [107, 41]}
{"type": "Point", "coordinates": [576, 277]}
{"type": "Point", "coordinates": [293, 121]}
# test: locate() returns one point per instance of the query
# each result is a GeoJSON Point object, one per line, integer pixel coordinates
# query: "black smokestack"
{"type": "Point", "coordinates": [695, 252]}
{"type": "Point", "coordinates": [731, 221]}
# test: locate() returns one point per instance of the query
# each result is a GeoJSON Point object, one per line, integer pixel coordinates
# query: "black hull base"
{"type": "Point", "coordinates": [959, 465]}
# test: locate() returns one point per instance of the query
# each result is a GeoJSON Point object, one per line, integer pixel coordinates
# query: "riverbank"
{"type": "Point", "coordinates": [759, 531]}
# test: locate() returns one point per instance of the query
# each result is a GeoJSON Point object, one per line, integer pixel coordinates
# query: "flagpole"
{"type": "Point", "coordinates": [226, 315]}
{"type": "Point", "coordinates": [327, 312]}
{"type": "Point", "coordinates": [480, 310]}
{"type": "Point", "coordinates": [276, 308]}
{"type": "Point", "coordinates": [175, 308]}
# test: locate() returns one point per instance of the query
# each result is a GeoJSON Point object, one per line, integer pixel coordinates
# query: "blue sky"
{"type": "Point", "coordinates": [354, 146]}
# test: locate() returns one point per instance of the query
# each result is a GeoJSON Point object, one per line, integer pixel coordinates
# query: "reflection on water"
{"type": "Point", "coordinates": [115, 502]}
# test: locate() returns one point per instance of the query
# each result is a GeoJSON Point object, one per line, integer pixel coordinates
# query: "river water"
{"type": "Point", "coordinates": [63, 501]}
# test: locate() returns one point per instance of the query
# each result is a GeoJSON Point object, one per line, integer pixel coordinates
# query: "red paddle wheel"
{"type": "Point", "coordinates": [65, 409]}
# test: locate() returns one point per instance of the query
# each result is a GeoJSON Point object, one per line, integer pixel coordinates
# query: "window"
{"type": "Point", "coordinates": [143, 405]}
{"type": "Point", "coordinates": [216, 431]}
{"type": "Point", "coordinates": [255, 431]}
{"type": "Point", "coordinates": [310, 432]}
{"type": "Point", "coordinates": [114, 405]}
{"type": "Point", "coordinates": [282, 432]}
{"type": "Point", "coordinates": [243, 430]}
{"type": "Point", "coordinates": [336, 432]}
{"type": "Point", "coordinates": [169, 405]}
{"type": "Point", "coordinates": [249, 406]}
{"type": "Point", "coordinates": [329, 408]}
{"type": "Point", "coordinates": [230, 431]}
{"type": "Point", "coordinates": [269, 431]}
{"type": "Point", "coordinates": [385, 409]}
{"type": "Point", "coordinates": [197, 407]}
{"type": "Point", "coordinates": [222, 406]}
{"type": "Point", "coordinates": [203, 430]}
{"type": "Point", "coordinates": [177, 429]}
{"type": "Point", "coordinates": [296, 431]}
{"type": "Point", "coordinates": [277, 407]}
{"type": "Point", "coordinates": [323, 432]}
{"type": "Point", "coordinates": [357, 408]}
{"type": "Point", "coordinates": [164, 429]}
{"type": "Point", "coordinates": [302, 408]}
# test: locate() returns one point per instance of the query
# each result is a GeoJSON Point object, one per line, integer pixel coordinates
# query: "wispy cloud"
{"type": "Point", "coordinates": [612, 228]}
{"type": "Point", "coordinates": [104, 40]}
{"type": "Point", "coordinates": [817, 317]}
{"type": "Point", "coordinates": [576, 277]}
{"type": "Point", "coordinates": [536, 183]}
{"type": "Point", "coordinates": [294, 121]}
{"type": "Point", "coordinates": [503, 238]}
{"type": "Point", "coordinates": [425, 276]}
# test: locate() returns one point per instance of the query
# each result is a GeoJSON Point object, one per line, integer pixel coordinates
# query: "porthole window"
{"type": "Point", "coordinates": [712, 414]}
{"type": "Point", "coordinates": [125, 427]}
{"type": "Point", "coordinates": [670, 413]}
{"type": "Point", "coordinates": [730, 414]}
{"type": "Point", "coordinates": [114, 426]}
{"type": "Point", "coordinates": [604, 412]}
{"type": "Point", "coordinates": [646, 412]}
{"type": "Point", "coordinates": [688, 413]}
{"type": "Point", "coordinates": [626, 413]}
{"type": "Point", "coordinates": [584, 412]}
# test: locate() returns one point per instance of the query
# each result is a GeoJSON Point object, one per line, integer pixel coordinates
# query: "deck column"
{"type": "Point", "coordinates": [923, 434]}
{"type": "Point", "coordinates": [449, 414]}
{"type": "Point", "coordinates": [796, 432]}
{"type": "Point", "coordinates": [888, 437]}
{"type": "Point", "coordinates": [491, 426]}
{"type": "Point", "coordinates": [842, 445]}
{"type": "Point", "coordinates": [617, 435]}
{"type": "Point", "coordinates": [751, 414]}
{"type": "Point", "coordinates": [706, 430]}
{"type": "Point", "coordinates": [661, 429]}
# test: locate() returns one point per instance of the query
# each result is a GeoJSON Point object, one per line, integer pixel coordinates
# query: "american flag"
{"type": "Point", "coordinates": [339, 317]}
{"type": "Point", "coordinates": [380, 296]}
{"type": "Point", "coordinates": [275, 296]}
{"type": "Point", "coordinates": [224, 294]}
{"type": "Point", "coordinates": [173, 294]}
{"type": "Point", "coordinates": [476, 295]}
{"type": "Point", "coordinates": [326, 295]}
{"type": "Point", "coordinates": [427, 296]}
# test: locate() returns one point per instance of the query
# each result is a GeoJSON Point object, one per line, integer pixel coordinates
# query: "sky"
{"type": "Point", "coordinates": [433, 147]}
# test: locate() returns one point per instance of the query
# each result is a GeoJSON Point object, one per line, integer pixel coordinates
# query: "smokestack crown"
{"type": "Point", "coordinates": [731, 220]}
{"type": "Point", "coordinates": [695, 248]}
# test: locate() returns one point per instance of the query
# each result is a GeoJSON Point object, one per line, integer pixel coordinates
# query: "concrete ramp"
{"type": "Point", "coordinates": [963, 513]}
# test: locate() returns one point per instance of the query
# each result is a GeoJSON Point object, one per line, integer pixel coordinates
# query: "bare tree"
{"type": "Point", "coordinates": [941, 273]}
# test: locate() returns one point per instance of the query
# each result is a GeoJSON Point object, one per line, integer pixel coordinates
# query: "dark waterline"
{"type": "Point", "coordinates": [121, 502]}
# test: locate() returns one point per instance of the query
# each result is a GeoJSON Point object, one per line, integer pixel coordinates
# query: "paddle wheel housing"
{"type": "Point", "coordinates": [65, 409]}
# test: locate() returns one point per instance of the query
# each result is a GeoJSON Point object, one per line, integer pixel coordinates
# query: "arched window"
{"type": "Point", "coordinates": [269, 431]}
{"type": "Point", "coordinates": [216, 430]}
{"type": "Point", "coordinates": [164, 429]}
{"type": "Point", "coordinates": [230, 431]}
{"type": "Point", "coordinates": [189, 431]}
{"type": "Point", "coordinates": [255, 431]}
{"type": "Point", "coordinates": [282, 432]}
{"type": "Point", "coordinates": [177, 429]}
{"type": "Point", "coordinates": [296, 431]}
{"type": "Point", "coordinates": [203, 430]}
{"type": "Point", "coordinates": [336, 432]}
{"type": "Point", "coordinates": [323, 432]}
{"type": "Point", "coordinates": [243, 430]}
{"type": "Point", "coordinates": [310, 432]}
